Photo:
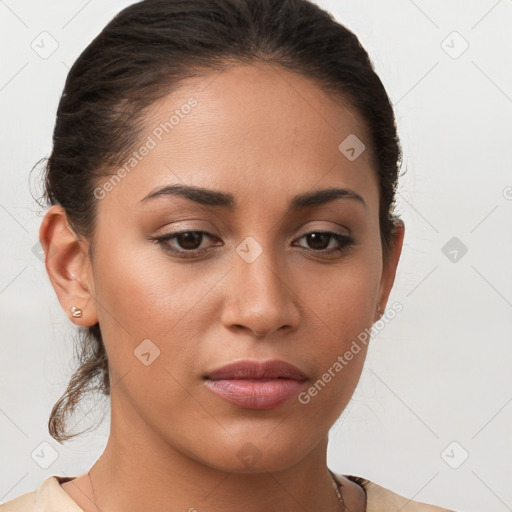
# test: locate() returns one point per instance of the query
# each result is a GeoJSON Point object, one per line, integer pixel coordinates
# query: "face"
{"type": "Point", "coordinates": [173, 308]}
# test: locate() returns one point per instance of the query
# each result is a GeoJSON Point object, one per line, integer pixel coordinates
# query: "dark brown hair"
{"type": "Point", "coordinates": [143, 54]}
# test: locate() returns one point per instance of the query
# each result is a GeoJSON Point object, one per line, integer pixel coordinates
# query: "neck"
{"type": "Point", "coordinates": [138, 471]}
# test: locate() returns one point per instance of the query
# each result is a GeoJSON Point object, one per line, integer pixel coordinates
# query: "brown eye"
{"type": "Point", "coordinates": [189, 240]}
{"type": "Point", "coordinates": [319, 241]}
{"type": "Point", "coordinates": [184, 243]}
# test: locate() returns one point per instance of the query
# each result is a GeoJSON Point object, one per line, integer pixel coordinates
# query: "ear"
{"type": "Point", "coordinates": [389, 269]}
{"type": "Point", "coordinates": [68, 265]}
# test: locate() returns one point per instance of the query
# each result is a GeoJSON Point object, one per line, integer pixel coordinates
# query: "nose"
{"type": "Point", "coordinates": [260, 298]}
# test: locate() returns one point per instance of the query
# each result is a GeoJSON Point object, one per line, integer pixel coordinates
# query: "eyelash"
{"type": "Point", "coordinates": [346, 242]}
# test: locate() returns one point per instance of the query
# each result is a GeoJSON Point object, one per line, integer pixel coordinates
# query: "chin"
{"type": "Point", "coordinates": [254, 454]}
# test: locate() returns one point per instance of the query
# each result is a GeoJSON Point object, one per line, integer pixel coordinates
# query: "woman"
{"type": "Point", "coordinates": [221, 226]}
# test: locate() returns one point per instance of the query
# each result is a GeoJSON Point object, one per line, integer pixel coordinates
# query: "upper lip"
{"type": "Point", "coordinates": [257, 370]}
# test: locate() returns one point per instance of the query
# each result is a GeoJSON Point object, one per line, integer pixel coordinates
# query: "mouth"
{"type": "Point", "coordinates": [256, 385]}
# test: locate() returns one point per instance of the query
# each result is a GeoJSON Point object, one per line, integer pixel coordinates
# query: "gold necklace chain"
{"type": "Point", "coordinates": [93, 496]}
{"type": "Point", "coordinates": [337, 489]}
{"type": "Point", "coordinates": [336, 486]}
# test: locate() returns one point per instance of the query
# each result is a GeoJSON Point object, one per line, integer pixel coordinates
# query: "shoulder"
{"type": "Point", "coordinates": [48, 497]}
{"type": "Point", "coordinates": [379, 499]}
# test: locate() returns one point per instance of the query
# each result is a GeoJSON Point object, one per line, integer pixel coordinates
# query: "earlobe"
{"type": "Point", "coordinates": [67, 264]}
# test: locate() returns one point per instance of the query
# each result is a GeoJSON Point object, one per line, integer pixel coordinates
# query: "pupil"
{"type": "Point", "coordinates": [315, 238]}
{"type": "Point", "coordinates": [189, 240]}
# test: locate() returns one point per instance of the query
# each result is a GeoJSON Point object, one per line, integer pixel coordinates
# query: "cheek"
{"type": "Point", "coordinates": [341, 335]}
{"type": "Point", "coordinates": [342, 298]}
{"type": "Point", "coordinates": [140, 290]}
{"type": "Point", "coordinates": [341, 306]}
{"type": "Point", "coordinates": [142, 295]}
{"type": "Point", "coordinates": [144, 313]}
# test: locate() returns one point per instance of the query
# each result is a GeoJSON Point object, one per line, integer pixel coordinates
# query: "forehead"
{"type": "Point", "coordinates": [249, 129]}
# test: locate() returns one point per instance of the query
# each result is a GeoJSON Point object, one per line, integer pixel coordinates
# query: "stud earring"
{"type": "Point", "coordinates": [75, 312]}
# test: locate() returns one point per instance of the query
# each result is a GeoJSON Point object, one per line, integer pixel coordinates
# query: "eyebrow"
{"type": "Point", "coordinates": [210, 197]}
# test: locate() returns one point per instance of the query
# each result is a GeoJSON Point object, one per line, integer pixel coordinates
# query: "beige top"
{"type": "Point", "coordinates": [51, 497]}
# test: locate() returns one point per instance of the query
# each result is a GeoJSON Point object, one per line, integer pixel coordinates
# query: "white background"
{"type": "Point", "coordinates": [439, 372]}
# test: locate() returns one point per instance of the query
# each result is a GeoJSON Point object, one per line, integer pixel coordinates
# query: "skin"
{"type": "Point", "coordinates": [263, 134]}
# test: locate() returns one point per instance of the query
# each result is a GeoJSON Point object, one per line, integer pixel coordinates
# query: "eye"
{"type": "Point", "coordinates": [188, 242]}
{"type": "Point", "coordinates": [319, 241]}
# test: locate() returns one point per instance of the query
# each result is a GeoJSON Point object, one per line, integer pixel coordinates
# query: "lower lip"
{"type": "Point", "coordinates": [256, 393]}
